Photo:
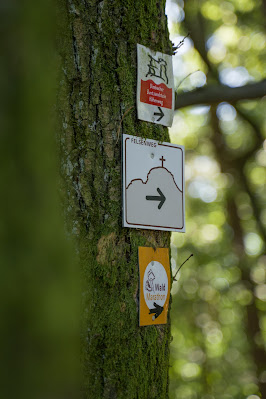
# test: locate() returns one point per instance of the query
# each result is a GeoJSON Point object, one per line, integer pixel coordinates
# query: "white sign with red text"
{"type": "Point", "coordinates": [153, 184]}
{"type": "Point", "coordinates": [155, 88]}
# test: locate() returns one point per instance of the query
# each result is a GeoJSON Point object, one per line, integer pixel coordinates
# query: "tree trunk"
{"type": "Point", "coordinates": [96, 104]}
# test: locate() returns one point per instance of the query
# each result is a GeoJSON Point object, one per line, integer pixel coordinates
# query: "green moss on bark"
{"type": "Point", "coordinates": [97, 88]}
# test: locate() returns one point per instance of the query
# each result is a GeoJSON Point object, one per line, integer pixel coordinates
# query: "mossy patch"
{"type": "Point", "coordinates": [97, 99]}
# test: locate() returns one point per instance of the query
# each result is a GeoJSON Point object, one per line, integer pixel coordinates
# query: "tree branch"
{"type": "Point", "coordinates": [214, 94]}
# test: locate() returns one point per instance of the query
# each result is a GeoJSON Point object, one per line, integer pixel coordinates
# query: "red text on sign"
{"type": "Point", "coordinates": [155, 94]}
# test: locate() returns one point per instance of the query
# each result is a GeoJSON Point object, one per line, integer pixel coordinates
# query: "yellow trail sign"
{"type": "Point", "coordinates": [154, 274]}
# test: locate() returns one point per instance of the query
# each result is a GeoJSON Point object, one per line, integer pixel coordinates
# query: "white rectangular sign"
{"type": "Point", "coordinates": [155, 87]}
{"type": "Point", "coordinates": [153, 184]}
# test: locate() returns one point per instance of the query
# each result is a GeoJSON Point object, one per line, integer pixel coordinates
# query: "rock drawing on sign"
{"type": "Point", "coordinates": [154, 202]}
{"type": "Point", "coordinates": [157, 68]}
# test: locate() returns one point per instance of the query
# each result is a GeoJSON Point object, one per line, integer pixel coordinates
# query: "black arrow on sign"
{"type": "Point", "coordinates": [160, 198]}
{"type": "Point", "coordinates": [157, 310]}
{"type": "Point", "coordinates": [160, 114]}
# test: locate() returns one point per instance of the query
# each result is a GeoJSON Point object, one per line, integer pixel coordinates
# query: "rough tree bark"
{"type": "Point", "coordinates": [96, 104]}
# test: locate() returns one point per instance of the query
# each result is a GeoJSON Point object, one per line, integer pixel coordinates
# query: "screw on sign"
{"type": "Point", "coordinates": [155, 87]}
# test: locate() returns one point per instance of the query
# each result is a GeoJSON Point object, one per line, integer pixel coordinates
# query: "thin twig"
{"type": "Point", "coordinates": [191, 73]}
{"type": "Point", "coordinates": [180, 44]}
{"type": "Point", "coordinates": [181, 266]}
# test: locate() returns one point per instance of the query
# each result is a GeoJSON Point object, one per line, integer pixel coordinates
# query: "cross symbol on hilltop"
{"type": "Point", "coordinates": [162, 159]}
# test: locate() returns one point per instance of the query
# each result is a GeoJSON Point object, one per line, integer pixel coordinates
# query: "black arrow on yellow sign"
{"type": "Point", "coordinates": [157, 310]}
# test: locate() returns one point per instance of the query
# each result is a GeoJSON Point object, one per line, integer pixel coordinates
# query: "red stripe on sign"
{"type": "Point", "coordinates": [155, 94]}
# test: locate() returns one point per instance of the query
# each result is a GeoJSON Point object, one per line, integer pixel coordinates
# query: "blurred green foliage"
{"type": "Point", "coordinates": [219, 300]}
{"type": "Point", "coordinates": [39, 282]}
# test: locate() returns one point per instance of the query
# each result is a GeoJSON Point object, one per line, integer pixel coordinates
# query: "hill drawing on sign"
{"type": "Point", "coordinates": [156, 202]}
